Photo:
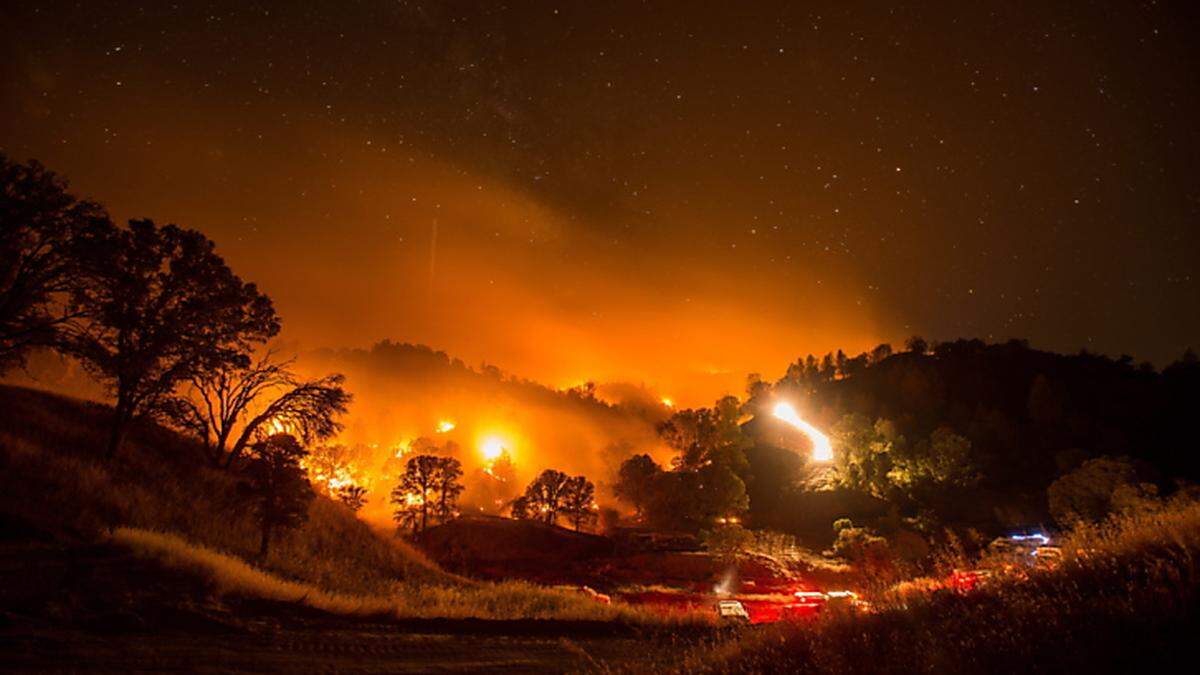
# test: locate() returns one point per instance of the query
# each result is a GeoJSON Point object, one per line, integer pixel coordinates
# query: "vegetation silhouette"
{"type": "Point", "coordinates": [428, 490]}
{"type": "Point", "coordinates": [160, 308]}
{"type": "Point", "coordinates": [277, 486]}
{"type": "Point", "coordinates": [42, 228]}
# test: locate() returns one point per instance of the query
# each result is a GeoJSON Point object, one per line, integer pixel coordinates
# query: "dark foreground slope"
{"type": "Point", "coordinates": [145, 562]}
{"type": "Point", "coordinates": [55, 483]}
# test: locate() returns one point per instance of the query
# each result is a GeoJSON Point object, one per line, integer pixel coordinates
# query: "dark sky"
{"type": "Point", "coordinates": [674, 193]}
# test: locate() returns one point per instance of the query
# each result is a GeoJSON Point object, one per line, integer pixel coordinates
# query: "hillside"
{"type": "Point", "coordinates": [55, 484]}
{"type": "Point", "coordinates": [488, 547]}
{"type": "Point", "coordinates": [158, 513]}
{"type": "Point", "coordinates": [404, 392]}
{"type": "Point", "coordinates": [1028, 417]}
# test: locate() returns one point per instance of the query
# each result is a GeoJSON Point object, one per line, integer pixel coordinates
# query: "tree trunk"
{"type": "Point", "coordinates": [117, 433]}
{"type": "Point", "coordinates": [264, 541]}
{"type": "Point", "coordinates": [235, 451]}
{"type": "Point", "coordinates": [216, 450]}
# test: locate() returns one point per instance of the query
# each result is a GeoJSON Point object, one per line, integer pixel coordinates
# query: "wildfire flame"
{"type": "Point", "coordinates": [822, 448]}
{"type": "Point", "coordinates": [332, 479]}
{"type": "Point", "coordinates": [275, 426]}
{"type": "Point", "coordinates": [444, 426]}
{"type": "Point", "coordinates": [492, 447]}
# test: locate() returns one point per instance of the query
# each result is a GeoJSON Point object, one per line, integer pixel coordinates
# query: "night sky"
{"type": "Point", "coordinates": [670, 193]}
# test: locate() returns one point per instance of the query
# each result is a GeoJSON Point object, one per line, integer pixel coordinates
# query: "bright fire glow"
{"type": "Point", "coordinates": [444, 426]}
{"type": "Point", "coordinates": [668, 402]}
{"type": "Point", "coordinates": [492, 448]}
{"type": "Point", "coordinates": [822, 448]}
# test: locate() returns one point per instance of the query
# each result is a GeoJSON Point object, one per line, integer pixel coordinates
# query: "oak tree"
{"type": "Point", "coordinates": [161, 307]}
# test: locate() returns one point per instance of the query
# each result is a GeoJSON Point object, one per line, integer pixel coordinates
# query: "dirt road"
{"type": "Point", "coordinates": [359, 649]}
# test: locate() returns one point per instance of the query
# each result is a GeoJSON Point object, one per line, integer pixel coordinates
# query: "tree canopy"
{"type": "Point", "coordinates": [278, 486]}
{"type": "Point", "coordinates": [229, 405]}
{"type": "Point", "coordinates": [428, 490]}
{"type": "Point", "coordinates": [161, 307]}
{"type": "Point", "coordinates": [42, 230]}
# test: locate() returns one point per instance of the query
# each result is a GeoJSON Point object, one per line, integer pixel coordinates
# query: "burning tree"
{"type": "Point", "coordinates": [334, 470]}
{"type": "Point", "coordinates": [353, 496]}
{"type": "Point", "coordinates": [428, 488]}
{"type": "Point", "coordinates": [278, 486]}
{"type": "Point", "coordinates": [159, 308]}
{"type": "Point", "coordinates": [493, 485]}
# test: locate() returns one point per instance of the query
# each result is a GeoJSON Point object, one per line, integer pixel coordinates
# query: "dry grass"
{"type": "Point", "coordinates": [159, 499]}
{"type": "Point", "coordinates": [55, 481]}
{"type": "Point", "coordinates": [1125, 600]}
{"type": "Point", "coordinates": [506, 600]}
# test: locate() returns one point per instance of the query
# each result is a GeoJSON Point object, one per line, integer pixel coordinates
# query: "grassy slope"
{"type": "Point", "coordinates": [55, 482]}
{"type": "Point", "coordinates": [160, 501]}
{"type": "Point", "coordinates": [1126, 600]}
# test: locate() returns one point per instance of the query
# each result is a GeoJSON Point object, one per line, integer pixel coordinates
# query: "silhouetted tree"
{"type": "Point", "coordinates": [428, 488]}
{"type": "Point", "coordinates": [353, 496]}
{"type": "Point", "coordinates": [636, 482]}
{"type": "Point", "coordinates": [42, 227]}
{"type": "Point", "coordinates": [519, 509]}
{"type": "Point", "coordinates": [881, 353]}
{"type": "Point", "coordinates": [856, 365]}
{"type": "Point", "coordinates": [278, 486]}
{"type": "Point", "coordinates": [224, 398]}
{"type": "Point", "coordinates": [719, 493]}
{"type": "Point", "coordinates": [448, 488]}
{"type": "Point", "coordinates": [757, 391]}
{"type": "Point", "coordinates": [706, 435]}
{"type": "Point", "coordinates": [917, 345]}
{"type": "Point", "coordinates": [308, 409]}
{"type": "Point", "coordinates": [545, 496]}
{"type": "Point", "coordinates": [579, 502]}
{"type": "Point", "coordinates": [160, 308]}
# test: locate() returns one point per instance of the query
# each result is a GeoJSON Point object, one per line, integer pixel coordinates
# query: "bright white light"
{"type": "Point", "coordinates": [822, 448]}
{"type": "Point", "coordinates": [492, 448]}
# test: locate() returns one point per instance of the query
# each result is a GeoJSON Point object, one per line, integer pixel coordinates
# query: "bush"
{"type": "Point", "coordinates": [727, 541]}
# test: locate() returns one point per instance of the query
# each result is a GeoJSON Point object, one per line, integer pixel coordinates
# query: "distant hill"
{"type": "Point", "coordinates": [405, 391]}
{"type": "Point", "coordinates": [1030, 417]}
